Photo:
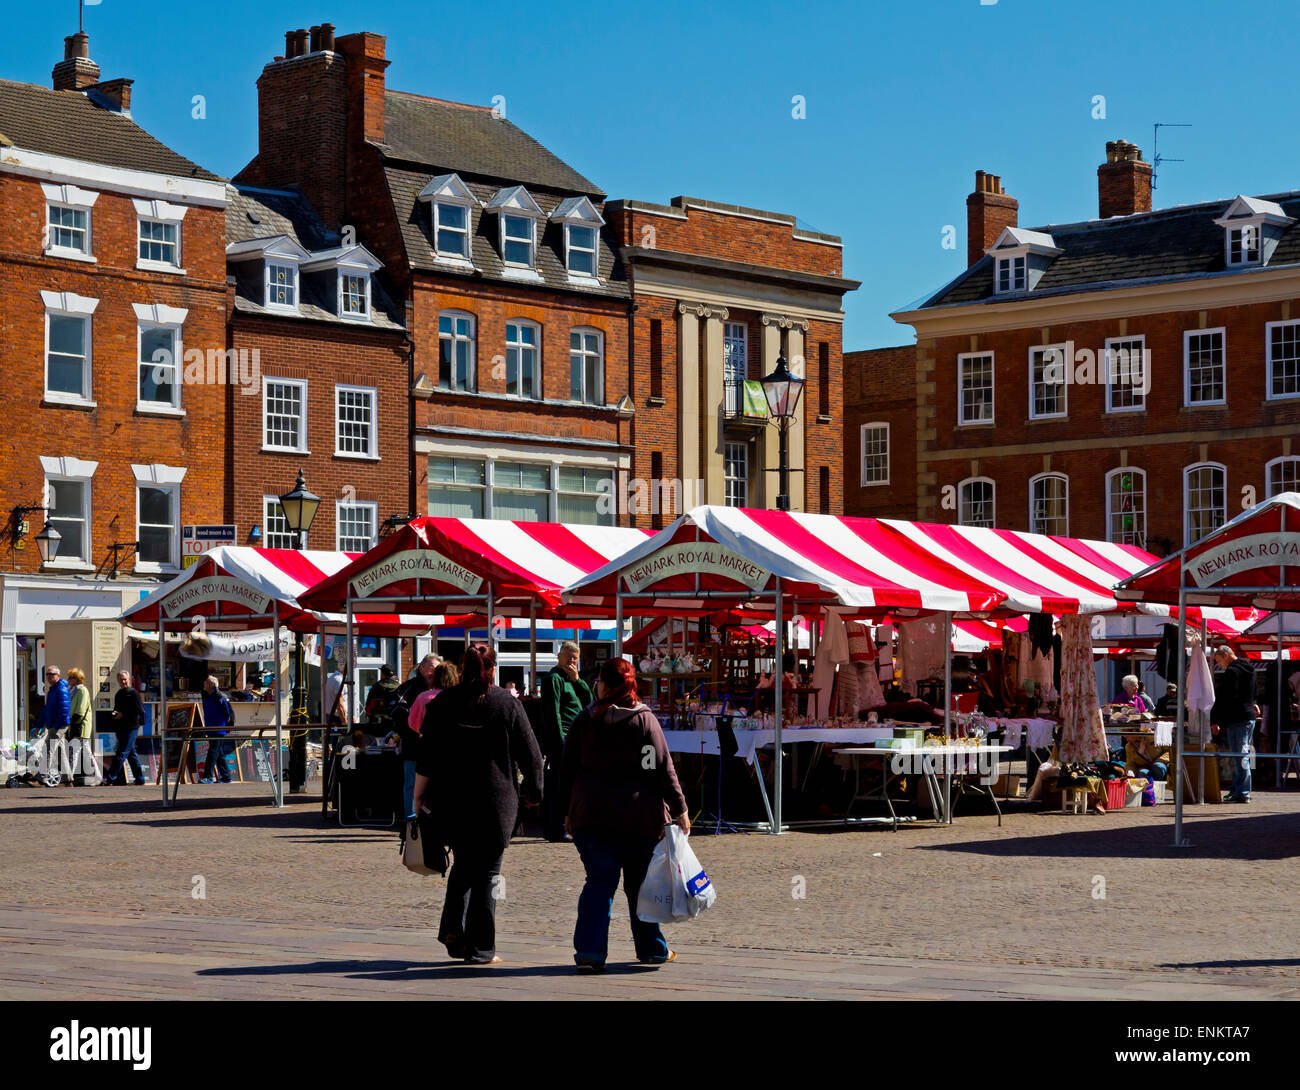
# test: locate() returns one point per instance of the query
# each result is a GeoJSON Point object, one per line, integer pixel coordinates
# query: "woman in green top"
{"type": "Point", "coordinates": [81, 729]}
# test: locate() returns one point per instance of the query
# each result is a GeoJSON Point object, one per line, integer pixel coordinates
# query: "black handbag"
{"type": "Point", "coordinates": [422, 849]}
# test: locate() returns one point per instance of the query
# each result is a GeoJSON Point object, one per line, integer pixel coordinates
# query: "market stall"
{"type": "Point", "coordinates": [1252, 561]}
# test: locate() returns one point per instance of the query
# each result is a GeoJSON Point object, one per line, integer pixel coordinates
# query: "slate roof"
{"type": "Point", "coordinates": [288, 212]}
{"type": "Point", "coordinates": [413, 215]}
{"type": "Point", "coordinates": [1175, 243]}
{"type": "Point", "coordinates": [69, 124]}
{"type": "Point", "coordinates": [465, 139]}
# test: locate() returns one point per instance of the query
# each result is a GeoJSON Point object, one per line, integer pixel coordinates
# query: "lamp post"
{"type": "Point", "coordinates": [782, 390]}
{"type": "Point", "coordinates": [299, 507]}
{"type": "Point", "coordinates": [47, 541]}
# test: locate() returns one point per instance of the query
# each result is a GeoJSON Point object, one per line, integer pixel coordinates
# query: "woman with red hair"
{"type": "Point", "coordinates": [621, 787]}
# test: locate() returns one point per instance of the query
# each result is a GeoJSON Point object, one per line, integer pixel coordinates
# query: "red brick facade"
{"type": "Point", "coordinates": [880, 388]}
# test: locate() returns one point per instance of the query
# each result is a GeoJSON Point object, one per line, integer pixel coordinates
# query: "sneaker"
{"type": "Point", "coordinates": [591, 966]}
{"type": "Point", "coordinates": [1240, 798]}
{"type": "Point", "coordinates": [207, 779]}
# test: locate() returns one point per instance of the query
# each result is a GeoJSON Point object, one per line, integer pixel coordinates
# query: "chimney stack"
{"type": "Point", "coordinates": [988, 210]}
{"type": "Point", "coordinates": [76, 70]}
{"type": "Point", "coordinates": [114, 93]}
{"type": "Point", "coordinates": [1123, 181]}
{"type": "Point", "coordinates": [327, 37]}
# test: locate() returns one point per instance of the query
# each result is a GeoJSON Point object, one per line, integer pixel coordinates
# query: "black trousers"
{"type": "Point", "coordinates": [469, 915]}
{"type": "Point", "coordinates": [552, 808]}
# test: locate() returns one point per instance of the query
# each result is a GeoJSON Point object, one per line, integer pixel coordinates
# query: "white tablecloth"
{"type": "Point", "coordinates": [1039, 730]}
{"type": "Point", "coordinates": [706, 740]}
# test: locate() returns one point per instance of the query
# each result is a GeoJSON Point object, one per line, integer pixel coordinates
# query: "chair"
{"type": "Point", "coordinates": [1074, 800]}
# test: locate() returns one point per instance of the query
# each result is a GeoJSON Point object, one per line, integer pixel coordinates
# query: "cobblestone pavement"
{"type": "Point", "coordinates": [295, 906]}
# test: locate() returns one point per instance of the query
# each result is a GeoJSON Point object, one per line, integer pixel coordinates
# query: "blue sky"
{"type": "Point", "coordinates": [905, 100]}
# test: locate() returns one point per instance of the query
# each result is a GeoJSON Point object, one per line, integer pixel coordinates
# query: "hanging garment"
{"type": "Point", "coordinates": [1011, 660]}
{"type": "Point", "coordinates": [1166, 662]}
{"type": "Point", "coordinates": [832, 650]}
{"type": "Point", "coordinates": [870, 694]}
{"type": "Point", "coordinates": [1083, 735]}
{"type": "Point", "coordinates": [862, 647]}
{"type": "Point", "coordinates": [1041, 630]}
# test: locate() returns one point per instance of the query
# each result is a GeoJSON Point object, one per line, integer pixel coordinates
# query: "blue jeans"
{"type": "Point", "coordinates": [217, 750]}
{"type": "Point", "coordinates": [408, 788]}
{"type": "Point", "coordinates": [603, 859]}
{"type": "Point", "coordinates": [126, 755]}
{"type": "Point", "coordinates": [1239, 735]}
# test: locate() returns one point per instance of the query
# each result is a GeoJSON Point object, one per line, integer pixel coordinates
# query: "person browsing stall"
{"type": "Point", "coordinates": [217, 714]}
{"type": "Point", "coordinates": [1233, 715]}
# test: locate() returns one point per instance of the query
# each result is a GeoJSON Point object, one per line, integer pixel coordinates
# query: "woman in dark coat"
{"type": "Point", "coordinates": [621, 787]}
{"type": "Point", "coordinates": [474, 736]}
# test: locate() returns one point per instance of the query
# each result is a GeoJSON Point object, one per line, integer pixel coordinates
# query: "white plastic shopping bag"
{"type": "Point", "coordinates": [692, 890]}
{"type": "Point", "coordinates": [654, 902]}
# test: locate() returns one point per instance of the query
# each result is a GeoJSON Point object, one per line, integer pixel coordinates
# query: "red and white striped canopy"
{"type": "Point", "coordinates": [240, 587]}
{"type": "Point", "coordinates": [452, 564]}
{"type": "Point", "coordinates": [1260, 548]}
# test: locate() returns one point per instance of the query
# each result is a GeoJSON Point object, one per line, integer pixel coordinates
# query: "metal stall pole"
{"type": "Point", "coordinates": [1179, 842]}
{"type": "Point", "coordinates": [1200, 764]}
{"type": "Point", "coordinates": [947, 714]}
{"type": "Point", "coordinates": [778, 764]}
{"type": "Point", "coordinates": [347, 678]}
{"type": "Point", "coordinates": [277, 771]}
{"type": "Point", "coordinates": [162, 701]}
{"type": "Point", "coordinates": [491, 626]}
{"type": "Point", "coordinates": [618, 624]}
{"type": "Point", "coordinates": [532, 647]}
{"type": "Point", "coordinates": [1279, 709]}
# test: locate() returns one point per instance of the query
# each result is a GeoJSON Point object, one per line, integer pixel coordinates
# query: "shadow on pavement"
{"type": "Point", "coordinates": [1244, 836]}
{"type": "Point", "coordinates": [408, 970]}
{"type": "Point", "coordinates": [1259, 963]}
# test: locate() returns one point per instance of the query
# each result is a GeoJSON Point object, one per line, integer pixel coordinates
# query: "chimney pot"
{"type": "Point", "coordinates": [988, 211]}
{"type": "Point", "coordinates": [76, 45]}
{"type": "Point", "coordinates": [288, 44]}
{"type": "Point", "coordinates": [327, 37]}
{"type": "Point", "coordinates": [300, 41]}
{"type": "Point", "coordinates": [315, 39]}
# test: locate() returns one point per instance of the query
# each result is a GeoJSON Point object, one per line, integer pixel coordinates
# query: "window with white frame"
{"type": "Point", "coordinates": [284, 414]}
{"type": "Point", "coordinates": [975, 388]}
{"type": "Point", "coordinates": [875, 453]}
{"type": "Point", "coordinates": [1126, 506]}
{"type": "Point", "coordinates": [160, 356]}
{"type": "Point", "coordinates": [584, 495]}
{"type": "Point", "coordinates": [69, 229]}
{"type": "Point", "coordinates": [281, 285]}
{"type": "Point", "coordinates": [1204, 377]}
{"type": "Point", "coordinates": [521, 491]}
{"type": "Point", "coordinates": [157, 518]}
{"type": "Point", "coordinates": [1205, 500]}
{"type": "Point", "coordinates": [160, 242]}
{"type": "Point", "coordinates": [735, 365]}
{"type": "Point", "coordinates": [457, 487]}
{"type": "Point", "coordinates": [455, 350]}
{"type": "Point", "coordinates": [354, 421]}
{"type": "Point", "coordinates": [356, 524]}
{"type": "Point", "coordinates": [1047, 385]}
{"type": "Point", "coordinates": [1049, 505]}
{"type": "Point", "coordinates": [354, 295]}
{"type": "Point", "coordinates": [735, 474]}
{"type": "Point", "coordinates": [276, 533]}
{"type": "Point", "coordinates": [1126, 374]}
{"type": "Point", "coordinates": [1011, 274]}
{"type": "Point", "coordinates": [580, 249]}
{"type": "Point", "coordinates": [69, 514]}
{"type": "Point", "coordinates": [586, 366]}
{"type": "Point", "coordinates": [1283, 475]}
{"type": "Point", "coordinates": [67, 356]}
{"type": "Point", "coordinates": [523, 368]}
{"type": "Point", "coordinates": [451, 229]}
{"type": "Point", "coordinates": [976, 500]}
{"type": "Point", "coordinates": [1283, 359]}
{"type": "Point", "coordinates": [517, 240]}
{"type": "Point", "coordinates": [1243, 244]}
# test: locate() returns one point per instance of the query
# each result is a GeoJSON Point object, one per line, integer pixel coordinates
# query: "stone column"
{"type": "Point", "coordinates": [688, 400]}
{"type": "Point", "coordinates": [799, 484]}
{"type": "Point", "coordinates": [712, 406]}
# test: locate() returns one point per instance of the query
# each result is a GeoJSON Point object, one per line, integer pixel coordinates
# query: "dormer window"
{"type": "Point", "coordinates": [517, 241]}
{"type": "Point", "coordinates": [281, 285]}
{"type": "Point", "coordinates": [450, 210]}
{"type": "Point", "coordinates": [354, 295]}
{"type": "Point", "coordinates": [267, 271]}
{"type": "Point", "coordinates": [582, 224]}
{"type": "Point", "coordinates": [1020, 259]}
{"type": "Point", "coordinates": [518, 214]}
{"type": "Point", "coordinates": [1252, 228]}
{"type": "Point", "coordinates": [345, 273]}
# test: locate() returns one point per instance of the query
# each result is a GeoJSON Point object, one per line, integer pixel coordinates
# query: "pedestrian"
{"type": "Point", "coordinates": [55, 718]}
{"type": "Point", "coordinates": [217, 714]}
{"type": "Point", "coordinates": [1234, 714]}
{"type": "Point", "coordinates": [333, 698]}
{"type": "Point", "coordinates": [445, 675]}
{"type": "Point", "coordinates": [475, 735]}
{"type": "Point", "coordinates": [381, 695]}
{"type": "Point", "coordinates": [81, 729]}
{"type": "Point", "coordinates": [1167, 705]}
{"type": "Point", "coordinates": [1148, 703]}
{"type": "Point", "coordinates": [1129, 694]}
{"type": "Point", "coordinates": [564, 695]}
{"type": "Point", "coordinates": [408, 740]}
{"type": "Point", "coordinates": [621, 791]}
{"type": "Point", "coordinates": [128, 716]}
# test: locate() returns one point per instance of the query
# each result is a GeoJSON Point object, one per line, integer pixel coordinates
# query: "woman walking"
{"type": "Point", "coordinates": [82, 729]}
{"type": "Point", "coordinates": [622, 789]}
{"type": "Point", "coordinates": [474, 736]}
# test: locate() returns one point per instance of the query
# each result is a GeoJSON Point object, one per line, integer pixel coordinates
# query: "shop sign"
{"type": "Point", "coordinates": [215, 588]}
{"type": "Point", "coordinates": [198, 539]}
{"type": "Point", "coordinates": [688, 558]}
{"type": "Point", "coordinates": [1217, 565]}
{"type": "Point", "coordinates": [235, 646]}
{"type": "Point", "coordinates": [415, 564]}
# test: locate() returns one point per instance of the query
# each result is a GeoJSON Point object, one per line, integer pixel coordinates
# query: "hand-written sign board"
{"type": "Point", "coordinates": [180, 721]}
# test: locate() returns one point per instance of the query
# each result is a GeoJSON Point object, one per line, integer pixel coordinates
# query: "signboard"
{"type": "Point", "coordinates": [225, 589]}
{"type": "Point", "coordinates": [415, 564]}
{"type": "Point", "coordinates": [236, 646]}
{"type": "Point", "coordinates": [198, 539]}
{"type": "Point", "coordinates": [689, 557]}
{"type": "Point", "coordinates": [1216, 566]}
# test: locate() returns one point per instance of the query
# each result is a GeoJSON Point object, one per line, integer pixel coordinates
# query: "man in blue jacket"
{"type": "Point", "coordinates": [216, 714]}
{"type": "Point", "coordinates": [56, 717]}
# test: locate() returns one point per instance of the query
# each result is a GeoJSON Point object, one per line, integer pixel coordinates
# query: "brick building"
{"type": "Point", "coordinates": [721, 292]}
{"type": "Point", "coordinates": [112, 282]}
{"type": "Point", "coordinates": [499, 253]}
{"type": "Point", "coordinates": [1135, 377]}
{"type": "Point", "coordinates": [880, 432]}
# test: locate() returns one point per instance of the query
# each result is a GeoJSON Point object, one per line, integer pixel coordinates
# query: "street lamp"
{"type": "Point", "coordinates": [47, 541]}
{"type": "Point", "coordinates": [299, 507]}
{"type": "Point", "coordinates": [782, 390]}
